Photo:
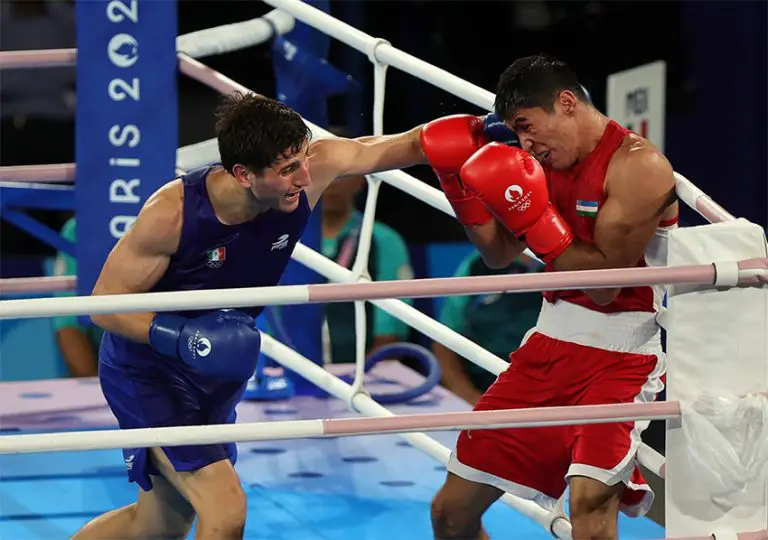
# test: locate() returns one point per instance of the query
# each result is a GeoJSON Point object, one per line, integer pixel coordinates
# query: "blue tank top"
{"type": "Point", "coordinates": [212, 255]}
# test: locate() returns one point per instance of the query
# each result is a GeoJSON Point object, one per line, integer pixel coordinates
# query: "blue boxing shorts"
{"type": "Point", "coordinates": [145, 390]}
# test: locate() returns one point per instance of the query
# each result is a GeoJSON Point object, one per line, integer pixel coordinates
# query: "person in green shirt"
{"type": "Point", "coordinates": [389, 260]}
{"type": "Point", "coordinates": [78, 343]}
{"type": "Point", "coordinates": [496, 322]}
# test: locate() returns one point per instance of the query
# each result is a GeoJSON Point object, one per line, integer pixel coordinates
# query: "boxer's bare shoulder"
{"type": "Point", "coordinates": [141, 256]}
{"type": "Point", "coordinates": [638, 165]}
{"type": "Point", "coordinates": [160, 221]}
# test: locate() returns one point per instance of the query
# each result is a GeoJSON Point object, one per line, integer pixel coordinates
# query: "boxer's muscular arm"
{"type": "Point", "coordinates": [638, 191]}
{"type": "Point", "coordinates": [140, 258]}
{"type": "Point", "coordinates": [335, 158]}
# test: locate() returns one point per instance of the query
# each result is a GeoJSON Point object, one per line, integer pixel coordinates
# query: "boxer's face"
{"type": "Point", "coordinates": [280, 185]}
{"type": "Point", "coordinates": [551, 136]}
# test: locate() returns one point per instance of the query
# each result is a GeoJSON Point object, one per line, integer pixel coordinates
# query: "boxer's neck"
{"type": "Point", "coordinates": [592, 124]}
{"type": "Point", "coordinates": [231, 203]}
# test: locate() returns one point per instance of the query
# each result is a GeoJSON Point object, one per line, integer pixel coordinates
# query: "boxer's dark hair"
{"type": "Point", "coordinates": [256, 131]}
{"type": "Point", "coordinates": [535, 81]}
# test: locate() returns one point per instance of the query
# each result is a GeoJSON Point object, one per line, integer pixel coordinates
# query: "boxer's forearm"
{"type": "Point", "coordinates": [496, 245]}
{"type": "Point", "coordinates": [581, 256]}
{"type": "Point", "coordinates": [133, 326]}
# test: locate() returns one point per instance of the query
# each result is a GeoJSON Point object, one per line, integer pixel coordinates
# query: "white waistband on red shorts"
{"type": "Point", "coordinates": [628, 332]}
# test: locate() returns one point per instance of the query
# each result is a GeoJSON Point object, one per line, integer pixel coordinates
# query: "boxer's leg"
{"type": "Point", "coordinates": [205, 474]}
{"type": "Point", "coordinates": [138, 400]}
{"type": "Point", "coordinates": [603, 476]}
{"type": "Point", "coordinates": [530, 462]}
{"type": "Point", "coordinates": [594, 509]}
{"type": "Point", "coordinates": [214, 491]}
{"type": "Point", "coordinates": [458, 508]}
{"type": "Point", "coordinates": [159, 513]}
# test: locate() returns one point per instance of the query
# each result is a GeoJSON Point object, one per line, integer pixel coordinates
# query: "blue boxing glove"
{"type": "Point", "coordinates": [224, 344]}
{"type": "Point", "coordinates": [497, 131]}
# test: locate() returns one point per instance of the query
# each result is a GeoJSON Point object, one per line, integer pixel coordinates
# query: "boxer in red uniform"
{"type": "Point", "coordinates": [583, 193]}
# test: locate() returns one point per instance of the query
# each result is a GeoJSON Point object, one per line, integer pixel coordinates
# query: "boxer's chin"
{"type": "Point", "coordinates": [289, 204]}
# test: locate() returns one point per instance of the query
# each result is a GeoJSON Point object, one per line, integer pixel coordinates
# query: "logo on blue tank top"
{"type": "Point", "coordinates": [216, 257]}
{"type": "Point", "coordinates": [281, 242]}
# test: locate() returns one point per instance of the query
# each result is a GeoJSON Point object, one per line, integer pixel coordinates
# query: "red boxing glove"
{"type": "Point", "coordinates": [447, 143]}
{"type": "Point", "coordinates": [512, 184]}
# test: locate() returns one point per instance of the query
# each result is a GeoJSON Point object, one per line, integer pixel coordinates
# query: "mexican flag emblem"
{"type": "Point", "coordinates": [216, 257]}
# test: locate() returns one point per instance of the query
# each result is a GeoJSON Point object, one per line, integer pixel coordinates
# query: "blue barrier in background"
{"type": "Point", "coordinates": [126, 124]}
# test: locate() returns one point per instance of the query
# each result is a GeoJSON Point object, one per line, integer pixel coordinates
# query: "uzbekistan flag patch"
{"type": "Point", "coordinates": [586, 208]}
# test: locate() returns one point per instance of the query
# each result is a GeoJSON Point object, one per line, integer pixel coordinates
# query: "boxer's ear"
{"type": "Point", "coordinates": [567, 100]}
{"type": "Point", "coordinates": [243, 175]}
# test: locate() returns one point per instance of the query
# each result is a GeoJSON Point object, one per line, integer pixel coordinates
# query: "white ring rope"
{"type": "Point", "coordinates": [236, 36]}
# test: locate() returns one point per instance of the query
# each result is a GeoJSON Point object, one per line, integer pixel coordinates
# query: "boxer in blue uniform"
{"type": "Point", "coordinates": [226, 226]}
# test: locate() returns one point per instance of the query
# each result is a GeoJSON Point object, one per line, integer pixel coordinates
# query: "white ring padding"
{"type": "Point", "coordinates": [372, 50]}
{"type": "Point", "coordinates": [726, 273]}
{"type": "Point", "coordinates": [728, 534]}
{"type": "Point", "coordinates": [662, 317]}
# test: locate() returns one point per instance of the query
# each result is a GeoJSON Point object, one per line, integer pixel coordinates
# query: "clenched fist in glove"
{"type": "Point", "coordinates": [447, 143]}
{"type": "Point", "coordinates": [513, 186]}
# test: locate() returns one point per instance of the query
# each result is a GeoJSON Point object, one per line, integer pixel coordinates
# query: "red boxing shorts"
{"type": "Point", "coordinates": [536, 463]}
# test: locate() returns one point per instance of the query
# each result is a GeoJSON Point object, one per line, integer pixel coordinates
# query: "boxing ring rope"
{"type": "Point", "coordinates": [381, 55]}
{"type": "Point", "coordinates": [48, 174]}
{"type": "Point", "coordinates": [299, 429]}
{"type": "Point", "coordinates": [748, 272]}
{"type": "Point", "coordinates": [45, 284]}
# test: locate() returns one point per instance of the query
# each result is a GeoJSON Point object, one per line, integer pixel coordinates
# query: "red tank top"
{"type": "Point", "coordinates": [578, 194]}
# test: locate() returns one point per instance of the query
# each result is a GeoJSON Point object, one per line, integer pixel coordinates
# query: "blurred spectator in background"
{"type": "Point", "coordinates": [78, 343]}
{"type": "Point", "coordinates": [389, 260]}
{"type": "Point", "coordinates": [496, 322]}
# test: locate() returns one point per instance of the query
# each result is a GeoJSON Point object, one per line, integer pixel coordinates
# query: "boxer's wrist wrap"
{"type": "Point", "coordinates": [164, 332]}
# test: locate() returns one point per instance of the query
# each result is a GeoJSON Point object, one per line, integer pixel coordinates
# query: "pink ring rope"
{"type": "Point", "coordinates": [38, 285]}
{"type": "Point", "coordinates": [38, 59]}
{"type": "Point", "coordinates": [756, 535]}
{"type": "Point", "coordinates": [64, 172]}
